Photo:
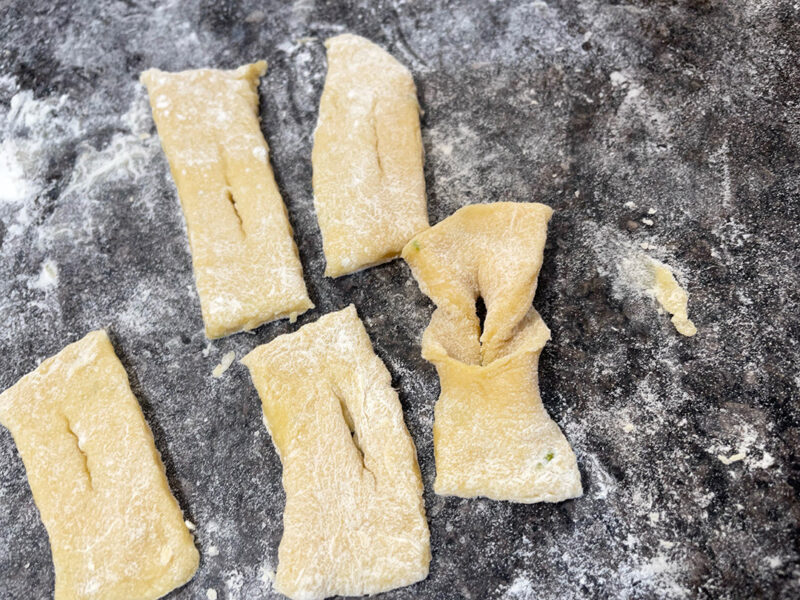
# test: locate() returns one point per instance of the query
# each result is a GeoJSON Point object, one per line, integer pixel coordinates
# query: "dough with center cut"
{"type": "Point", "coordinates": [492, 436]}
{"type": "Point", "coordinates": [245, 261]}
{"type": "Point", "coordinates": [354, 521]}
{"type": "Point", "coordinates": [116, 531]}
{"type": "Point", "coordinates": [369, 186]}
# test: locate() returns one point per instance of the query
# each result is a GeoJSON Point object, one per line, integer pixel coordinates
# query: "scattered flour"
{"type": "Point", "coordinates": [267, 575]}
{"type": "Point", "coordinates": [28, 130]}
{"type": "Point", "coordinates": [234, 582]}
{"type": "Point", "coordinates": [766, 461]}
{"type": "Point", "coordinates": [47, 278]}
{"type": "Point", "coordinates": [125, 157]}
{"type": "Point", "coordinates": [774, 562]}
{"type": "Point", "coordinates": [521, 588]}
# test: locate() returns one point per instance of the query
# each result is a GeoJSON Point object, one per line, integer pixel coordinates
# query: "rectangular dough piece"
{"type": "Point", "coordinates": [246, 264]}
{"type": "Point", "coordinates": [369, 185]}
{"type": "Point", "coordinates": [354, 521]}
{"type": "Point", "coordinates": [116, 531]}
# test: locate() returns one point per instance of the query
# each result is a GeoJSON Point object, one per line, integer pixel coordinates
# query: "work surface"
{"type": "Point", "coordinates": [603, 111]}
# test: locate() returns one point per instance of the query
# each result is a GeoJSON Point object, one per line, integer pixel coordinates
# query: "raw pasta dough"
{"type": "Point", "coordinates": [354, 521]}
{"type": "Point", "coordinates": [492, 436]}
{"type": "Point", "coordinates": [672, 297]}
{"type": "Point", "coordinates": [245, 261]}
{"type": "Point", "coordinates": [369, 186]}
{"type": "Point", "coordinates": [116, 531]}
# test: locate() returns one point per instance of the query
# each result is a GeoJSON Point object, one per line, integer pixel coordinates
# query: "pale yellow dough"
{"type": "Point", "coordinates": [354, 521]}
{"type": "Point", "coordinates": [116, 531]}
{"type": "Point", "coordinates": [245, 261]}
{"type": "Point", "coordinates": [672, 297]}
{"type": "Point", "coordinates": [369, 186]}
{"type": "Point", "coordinates": [492, 437]}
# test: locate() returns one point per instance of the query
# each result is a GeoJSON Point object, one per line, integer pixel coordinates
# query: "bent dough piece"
{"type": "Point", "coordinates": [492, 436]}
{"type": "Point", "coordinates": [354, 521]}
{"type": "Point", "coordinates": [369, 186]}
{"type": "Point", "coordinates": [245, 261]}
{"type": "Point", "coordinates": [116, 531]}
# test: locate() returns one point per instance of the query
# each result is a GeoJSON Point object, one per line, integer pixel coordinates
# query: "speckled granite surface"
{"type": "Point", "coordinates": [603, 110]}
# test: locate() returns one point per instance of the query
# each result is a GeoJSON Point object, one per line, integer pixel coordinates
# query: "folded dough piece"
{"type": "Point", "coordinates": [369, 186]}
{"type": "Point", "coordinates": [245, 261]}
{"type": "Point", "coordinates": [115, 529]}
{"type": "Point", "coordinates": [492, 436]}
{"type": "Point", "coordinates": [354, 521]}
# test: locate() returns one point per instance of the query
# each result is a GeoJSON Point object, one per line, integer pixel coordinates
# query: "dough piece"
{"type": "Point", "coordinates": [672, 297]}
{"type": "Point", "coordinates": [354, 521]}
{"type": "Point", "coordinates": [492, 436]}
{"type": "Point", "coordinates": [369, 186]}
{"type": "Point", "coordinates": [245, 262]}
{"type": "Point", "coordinates": [116, 531]}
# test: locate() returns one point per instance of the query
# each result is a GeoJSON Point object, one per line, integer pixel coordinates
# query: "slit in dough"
{"type": "Point", "coordinates": [369, 185]}
{"type": "Point", "coordinates": [354, 521]}
{"type": "Point", "coordinates": [492, 436]}
{"type": "Point", "coordinates": [115, 529]}
{"type": "Point", "coordinates": [246, 264]}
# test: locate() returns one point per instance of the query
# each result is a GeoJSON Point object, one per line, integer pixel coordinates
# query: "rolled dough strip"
{"type": "Point", "coordinates": [97, 479]}
{"type": "Point", "coordinates": [354, 521]}
{"type": "Point", "coordinates": [369, 186]}
{"type": "Point", "coordinates": [492, 437]}
{"type": "Point", "coordinates": [245, 261]}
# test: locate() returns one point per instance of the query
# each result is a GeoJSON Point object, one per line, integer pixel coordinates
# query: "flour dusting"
{"type": "Point", "coordinates": [47, 278]}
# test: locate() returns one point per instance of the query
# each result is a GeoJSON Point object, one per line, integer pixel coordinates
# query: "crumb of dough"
{"type": "Point", "coordinates": [223, 365]}
{"type": "Point", "coordinates": [213, 551]}
{"type": "Point", "coordinates": [672, 297]}
{"type": "Point", "coordinates": [727, 460]}
{"type": "Point", "coordinates": [628, 427]}
{"type": "Point", "coordinates": [211, 594]}
{"type": "Point", "coordinates": [189, 525]}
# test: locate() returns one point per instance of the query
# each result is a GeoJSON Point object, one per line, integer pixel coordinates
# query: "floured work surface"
{"type": "Point", "coordinates": [517, 107]}
{"type": "Point", "coordinates": [354, 521]}
{"type": "Point", "coordinates": [369, 186]}
{"type": "Point", "coordinates": [492, 436]}
{"type": "Point", "coordinates": [116, 531]}
{"type": "Point", "coordinates": [245, 261]}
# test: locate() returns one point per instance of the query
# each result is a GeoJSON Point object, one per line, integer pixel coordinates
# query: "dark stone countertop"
{"type": "Point", "coordinates": [603, 110]}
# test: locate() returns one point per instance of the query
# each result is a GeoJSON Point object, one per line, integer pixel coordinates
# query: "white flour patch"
{"type": "Point", "coordinates": [124, 158]}
{"type": "Point", "coordinates": [28, 129]}
{"type": "Point", "coordinates": [657, 573]}
{"type": "Point", "coordinates": [15, 187]}
{"type": "Point", "coordinates": [603, 482]}
{"type": "Point", "coordinates": [47, 278]}
{"type": "Point", "coordinates": [520, 589]}
{"type": "Point", "coordinates": [267, 575]}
